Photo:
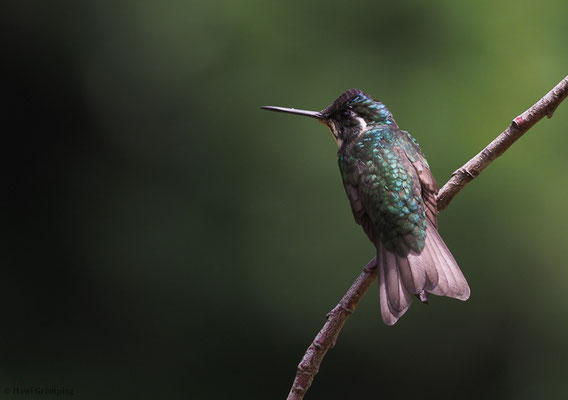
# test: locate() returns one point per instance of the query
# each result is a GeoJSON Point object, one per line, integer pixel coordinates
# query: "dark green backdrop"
{"type": "Point", "coordinates": [165, 238]}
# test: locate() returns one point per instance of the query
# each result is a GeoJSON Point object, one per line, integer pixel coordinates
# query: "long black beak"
{"type": "Point", "coordinates": [313, 114]}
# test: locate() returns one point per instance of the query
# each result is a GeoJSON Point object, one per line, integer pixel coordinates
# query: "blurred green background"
{"type": "Point", "coordinates": [165, 238]}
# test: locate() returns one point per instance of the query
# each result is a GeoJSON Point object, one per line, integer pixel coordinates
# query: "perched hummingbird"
{"type": "Point", "coordinates": [393, 197]}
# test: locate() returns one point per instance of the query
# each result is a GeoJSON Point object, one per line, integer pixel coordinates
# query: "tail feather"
{"type": "Point", "coordinates": [433, 271]}
{"type": "Point", "coordinates": [433, 278]}
{"type": "Point", "coordinates": [393, 295]}
{"type": "Point", "coordinates": [457, 286]}
{"type": "Point", "coordinates": [445, 277]}
{"type": "Point", "coordinates": [412, 272]}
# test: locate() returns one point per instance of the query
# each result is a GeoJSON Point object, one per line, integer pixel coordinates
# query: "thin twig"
{"type": "Point", "coordinates": [327, 336]}
{"type": "Point", "coordinates": [514, 131]}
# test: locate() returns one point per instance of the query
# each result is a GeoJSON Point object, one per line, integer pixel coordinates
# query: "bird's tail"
{"type": "Point", "coordinates": [434, 271]}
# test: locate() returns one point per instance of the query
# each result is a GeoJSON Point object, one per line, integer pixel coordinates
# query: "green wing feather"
{"type": "Point", "coordinates": [380, 176]}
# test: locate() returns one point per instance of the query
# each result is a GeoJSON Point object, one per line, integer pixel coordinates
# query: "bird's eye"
{"type": "Point", "coordinates": [345, 115]}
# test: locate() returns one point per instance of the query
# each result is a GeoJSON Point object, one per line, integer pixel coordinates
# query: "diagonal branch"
{"type": "Point", "coordinates": [327, 336]}
{"type": "Point", "coordinates": [545, 106]}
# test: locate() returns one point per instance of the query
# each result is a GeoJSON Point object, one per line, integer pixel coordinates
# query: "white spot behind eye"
{"type": "Point", "coordinates": [362, 123]}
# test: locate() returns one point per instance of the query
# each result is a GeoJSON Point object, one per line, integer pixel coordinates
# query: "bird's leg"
{"type": "Point", "coordinates": [423, 297]}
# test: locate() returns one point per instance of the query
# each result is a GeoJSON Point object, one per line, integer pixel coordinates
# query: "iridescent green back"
{"type": "Point", "coordinates": [378, 163]}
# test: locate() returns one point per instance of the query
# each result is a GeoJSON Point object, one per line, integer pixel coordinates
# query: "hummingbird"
{"type": "Point", "coordinates": [393, 197]}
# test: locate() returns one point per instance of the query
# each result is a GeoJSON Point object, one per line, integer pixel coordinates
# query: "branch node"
{"type": "Point", "coordinates": [550, 112]}
{"type": "Point", "coordinates": [371, 267]}
{"type": "Point", "coordinates": [347, 309]}
{"type": "Point", "coordinates": [307, 369]}
{"type": "Point", "coordinates": [517, 122]}
{"type": "Point", "coordinates": [471, 173]}
{"type": "Point", "coordinates": [318, 346]}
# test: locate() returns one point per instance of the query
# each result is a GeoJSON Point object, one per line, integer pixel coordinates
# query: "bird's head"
{"type": "Point", "coordinates": [350, 114]}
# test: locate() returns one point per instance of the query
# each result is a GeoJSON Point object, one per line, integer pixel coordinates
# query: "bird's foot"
{"type": "Point", "coordinates": [423, 297]}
